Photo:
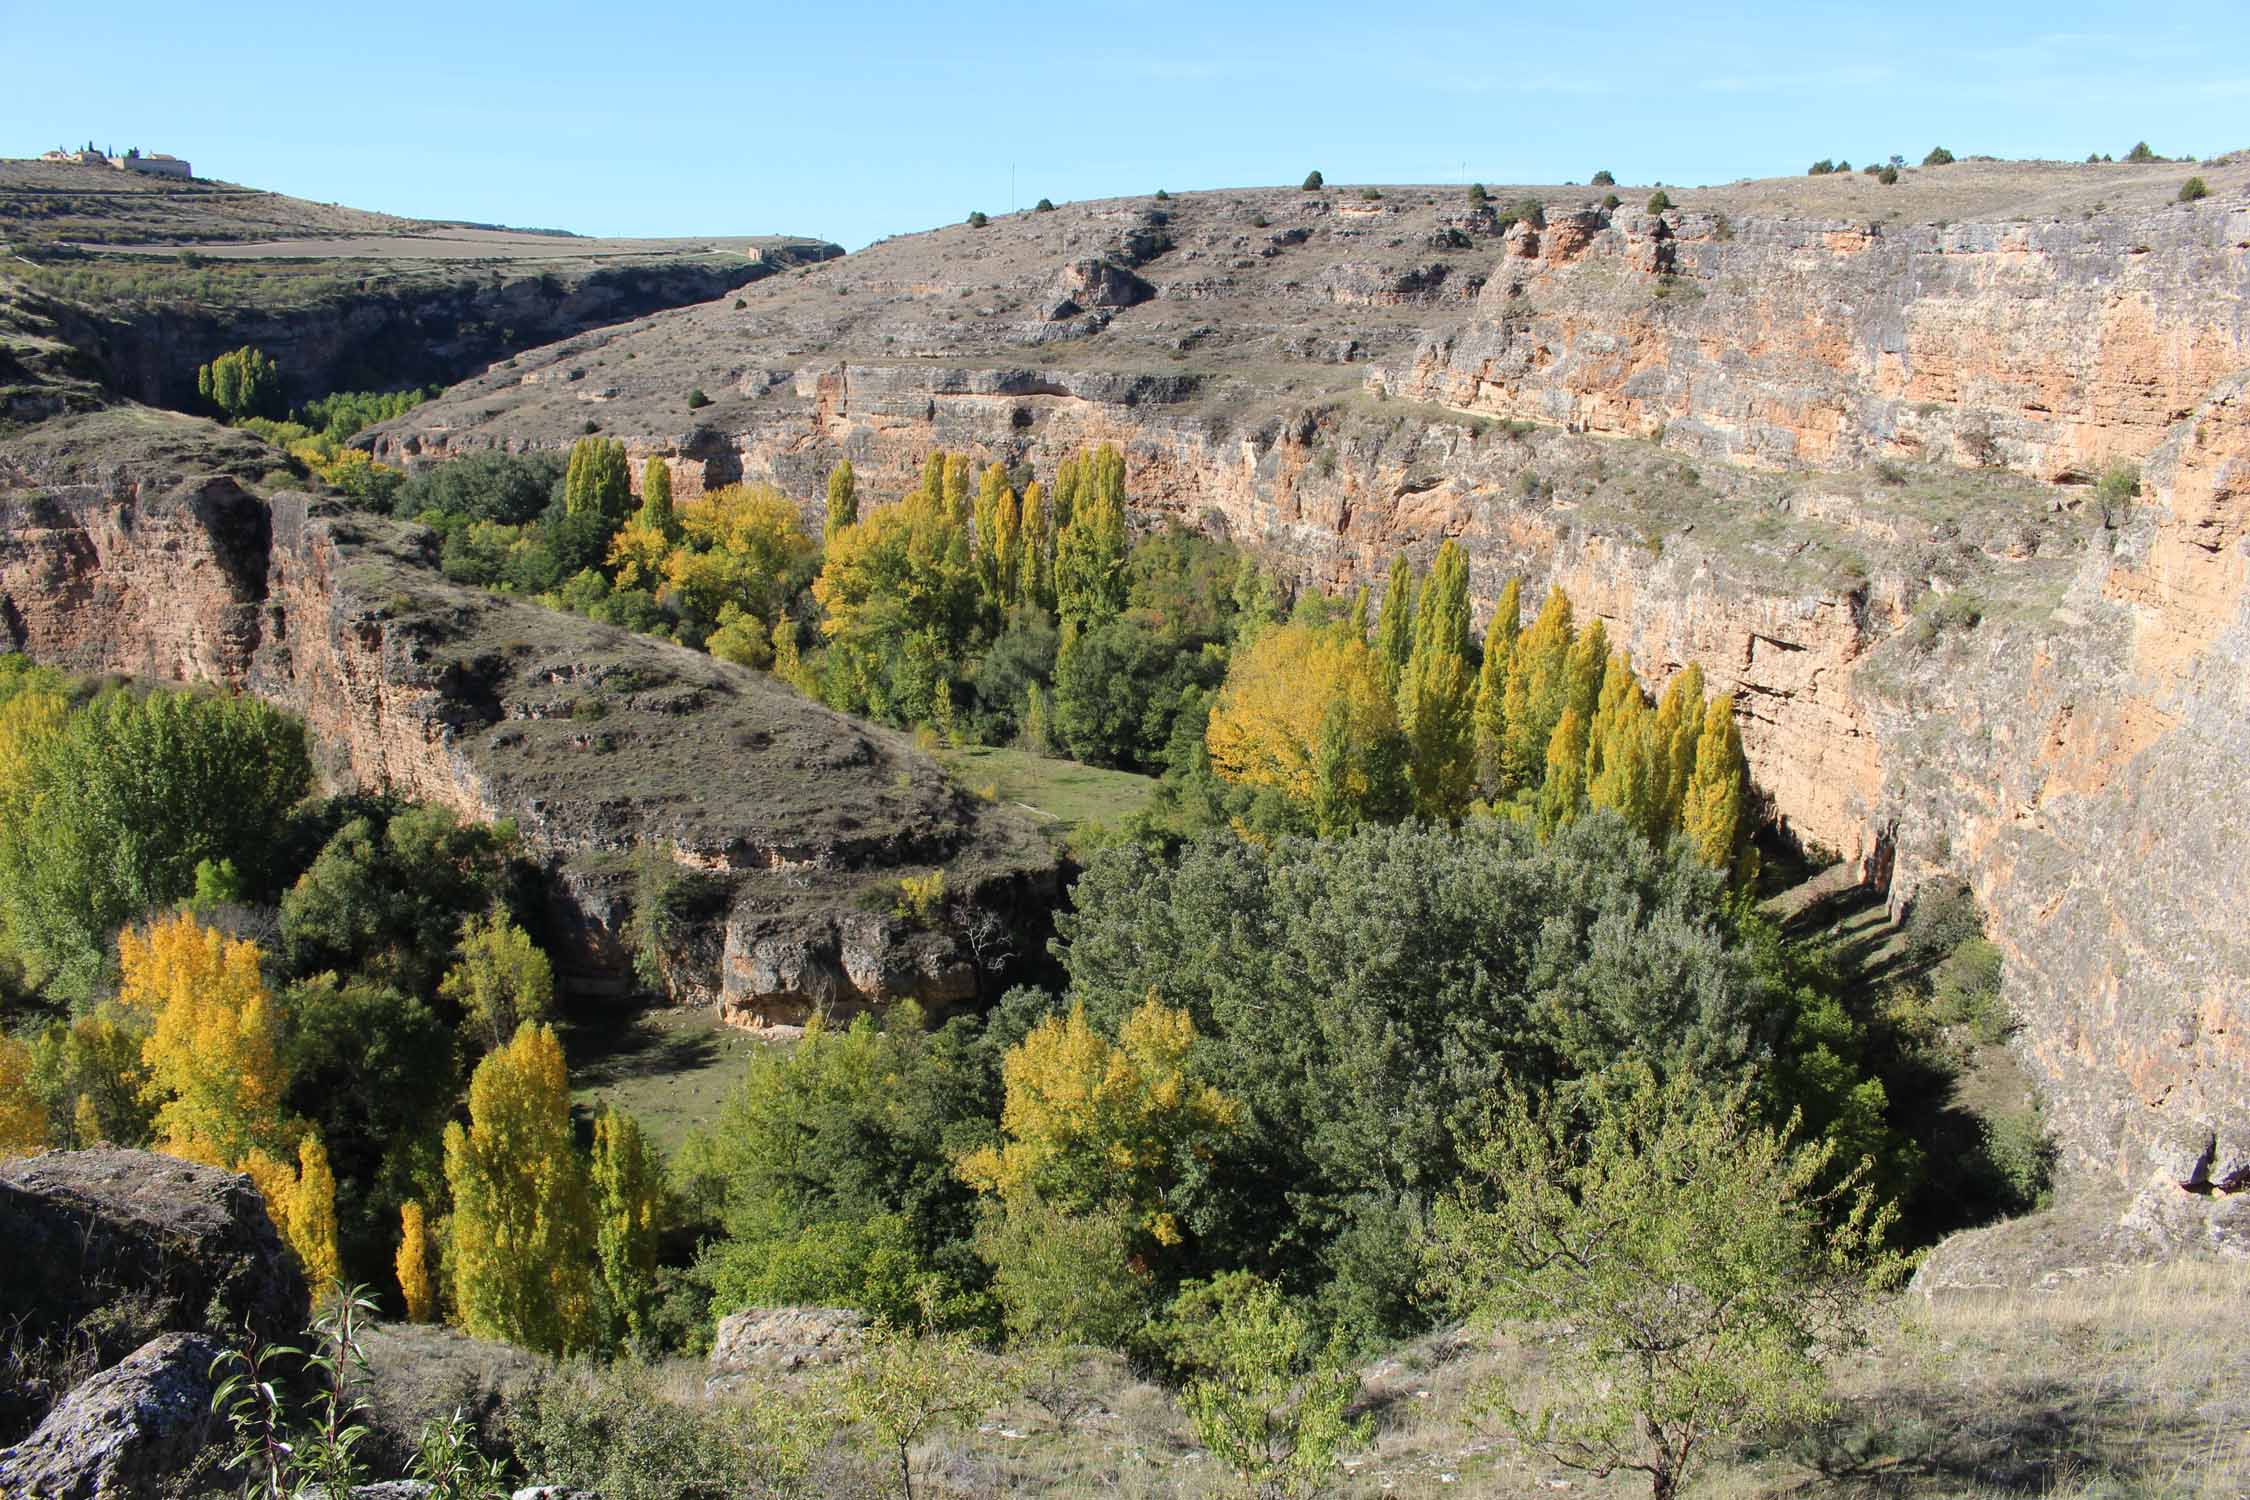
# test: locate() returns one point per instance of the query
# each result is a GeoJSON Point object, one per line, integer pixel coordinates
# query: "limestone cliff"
{"type": "Point", "coordinates": [1833, 441]}
{"type": "Point", "coordinates": [779, 827]}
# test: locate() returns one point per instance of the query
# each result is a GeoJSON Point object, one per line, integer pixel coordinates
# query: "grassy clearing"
{"type": "Point", "coordinates": [672, 1069]}
{"type": "Point", "coordinates": [1062, 793]}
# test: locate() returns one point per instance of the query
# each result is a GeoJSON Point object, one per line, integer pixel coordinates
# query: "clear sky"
{"type": "Point", "coordinates": [853, 121]}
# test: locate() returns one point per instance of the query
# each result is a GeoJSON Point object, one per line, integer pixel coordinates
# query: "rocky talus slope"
{"type": "Point", "coordinates": [1835, 441]}
{"type": "Point", "coordinates": [774, 830]}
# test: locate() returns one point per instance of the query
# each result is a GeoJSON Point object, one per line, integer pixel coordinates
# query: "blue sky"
{"type": "Point", "coordinates": [854, 121]}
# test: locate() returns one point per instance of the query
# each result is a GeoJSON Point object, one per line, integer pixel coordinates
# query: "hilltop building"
{"type": "Point", "coordinates": [157, 164]}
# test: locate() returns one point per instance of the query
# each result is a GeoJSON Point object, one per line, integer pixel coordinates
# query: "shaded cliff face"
{"type": "Point", "coordinates": [386, 331]}
{"type": "Point", "coordinates": [781, 828]}
{"type": "Point", "coordinates": [1839, 460]}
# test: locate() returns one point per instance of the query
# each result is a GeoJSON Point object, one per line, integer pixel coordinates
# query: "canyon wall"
{"type": "Point", "coordinates": [772, 831]}
{"type": "Point", "coordinates": [1845, 464]}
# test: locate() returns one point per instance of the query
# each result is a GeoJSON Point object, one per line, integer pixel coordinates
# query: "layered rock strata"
{"type": "Point", "coordinates": [772, 832]}
{"type": "Point", "coordinates": [1839, 448]}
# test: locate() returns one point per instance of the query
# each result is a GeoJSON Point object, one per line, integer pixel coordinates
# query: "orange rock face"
{"type": "Point", "coordinates": [1858, 491]}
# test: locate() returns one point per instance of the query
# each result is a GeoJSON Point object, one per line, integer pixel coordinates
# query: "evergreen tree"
{"type": "Point", "coordinates": [598, 481]}
{"type": "Point", "coordinates": [1533, 698]}
{"type": "Point", "coordinates": [628, 1185]}
{"type": "Point", "coordinates": [1394, 629]}
{"type": "Point", "coordinates": [1565, 785]}
{"type": "Point", "coordinates": [843, 500]}
{"type": "Point", "coordinates": [522, 1246]}
{"type": "Point", "coordinates": [656, 511]}
{"type": "Point", "coordinates": [1713, 812]}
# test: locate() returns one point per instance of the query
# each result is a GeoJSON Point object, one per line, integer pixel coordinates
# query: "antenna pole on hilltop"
{"type": "Point", "coordinates": [1011, 187]}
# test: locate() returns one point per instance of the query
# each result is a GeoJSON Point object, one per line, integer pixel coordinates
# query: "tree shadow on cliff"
{"type": "Point", "coordinates": [610, 1048]}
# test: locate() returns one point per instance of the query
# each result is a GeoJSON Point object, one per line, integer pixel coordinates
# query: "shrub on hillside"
{"type": "Point", "coordinates": [978, 219]}
{"type": "Point", "coordinates": [1314, 182]}
{"type": "Point", "coordinates": [1603, 179]}
{"type": "Point", "coordinates": [1938, 157]}
{"type": "Point", "coordinates": [2194, 188]}
{"type": "Point", "coordinates": [2141, 152]}
{"type": "Point", "coordinates": [1660, 202]}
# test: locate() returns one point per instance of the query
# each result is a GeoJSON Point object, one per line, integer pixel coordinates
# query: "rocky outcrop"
{"type": "Point", "coordinates": [1838, 455]}
{"type": "Point", "coordinates": [631, 767]}
{"type": "Point", "coordinates": [782, 1339]}
{"type": "Point", "coordinates": [189, 1248]}
{"type": "Point", "coordinates": [123, 1433]}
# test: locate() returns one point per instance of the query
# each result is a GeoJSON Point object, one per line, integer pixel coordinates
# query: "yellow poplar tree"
{"type": "Point", "coordinates": [656, 500]}
{"type": "Point", "coordinates": [1565, 784]}
{"type": "Point", "coordinates": [1394, 625]}
{"type": "Point", "coordinates": [23, 1114]}
{"type": "Point", "coordinates": [1035, 568]}
{"type": "Point", "coordinates": [301, 1201]}
{"type": "Point", "coordinates": [1626, 782]}
{"type": "Point", "coordinates": [1679, 724]}
{"type": "Point", "coordinates": [1583, 671]}
{"type": "Point", "coordinates": [1712, 814]}
{"type": "Point", "coordinates": [522, 1246]}
{"type": "Point", "coordinates": [1618, 684]}
{"type": "Point", "coordinates": [416, 1286]}
{"type": "Point", "coordinates": [1533, 695]}
{"type": "Point", "coordinates": [1265, 729]}
{"type": "Point", "coordinates": [628, 1186]}
{"type": "Point", "coordinates": [214, 1051]}
{"type": "Point", "coordinates": [1093, 1125]}
{"type": "Point", "coordinates": [843, 500]}
{"type": "Point", "coordinates": [1489, 715]}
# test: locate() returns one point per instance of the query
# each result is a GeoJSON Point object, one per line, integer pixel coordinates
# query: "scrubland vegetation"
{"type": "Point", "coordinates": [1433, 961]}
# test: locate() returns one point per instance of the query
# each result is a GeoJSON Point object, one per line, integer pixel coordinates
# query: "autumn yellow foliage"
{"type": "Point", "coordinates": [214, 1050]}
{"type": "Point", "coordinates": [23, 1115]}
{"type": "Point", "coordinates": [301, 1201]}
{"type": "Point", "coordinates": [521, 1239]}
{"type": "Point", "coordinates": [1090, 1124]}
{"type": "Point", "coordinates": [1265, 729]}
{"type": "Point", "coordinates": [417, 1286]}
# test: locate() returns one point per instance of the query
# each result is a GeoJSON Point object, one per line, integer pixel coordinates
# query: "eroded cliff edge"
{"type": "Point", "coordinates": [778, 829]}
{"type": "Point", "coordinates": [1833, 448]}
